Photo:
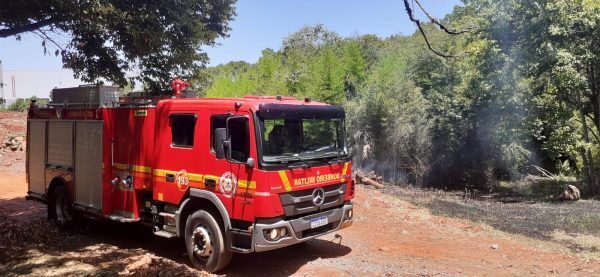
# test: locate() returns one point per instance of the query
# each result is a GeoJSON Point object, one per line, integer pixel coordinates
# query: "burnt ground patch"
{"type": "Point", "coordinates": [537, 218]}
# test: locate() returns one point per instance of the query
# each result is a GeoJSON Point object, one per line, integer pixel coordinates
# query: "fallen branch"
{"type": "Point", "coordinates": [544, 172]}
{"type": "Point", "coordinates": [362, 179]}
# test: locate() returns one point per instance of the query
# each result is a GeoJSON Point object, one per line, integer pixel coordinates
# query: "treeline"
{"type": "Point", "coordinates": [21, 104]}
{"type": "Point", "coordinates": [521, 90]}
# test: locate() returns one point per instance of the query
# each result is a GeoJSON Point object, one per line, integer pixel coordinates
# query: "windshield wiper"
{"type": "Point", "coordinates": [337, 160]}
{"type": "Point", "coordinates": [286, 159]}
{"type": "Point", "coordinates": [299, 165]}
{"type": "Point", "coordinates": [324, 155]}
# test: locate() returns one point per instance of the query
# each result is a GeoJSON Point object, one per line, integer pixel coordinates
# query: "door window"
{"type": "Point", "coordinates": [239, 135]}
{"type": "Point", "coordinates": [240, 139]}
{"type": "Point", "coordinates": [216, 121]}
{"type": "Point", "coordinates": [182, 129]}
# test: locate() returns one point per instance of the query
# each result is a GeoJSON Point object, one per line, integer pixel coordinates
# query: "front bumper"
{"type": "Point", "coordinates": [300, 230]}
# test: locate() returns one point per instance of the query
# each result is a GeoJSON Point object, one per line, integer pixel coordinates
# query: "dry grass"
{"type": "Point", "coordinates": [37, 248]}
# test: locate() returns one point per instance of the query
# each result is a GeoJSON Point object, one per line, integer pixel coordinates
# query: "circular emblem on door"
{"type": "Point", "coordinates": [182, 180]}
{"type": "Point", "coordinates": [227, 183]}
{"type": "Point", "coordinates": [318, 196]}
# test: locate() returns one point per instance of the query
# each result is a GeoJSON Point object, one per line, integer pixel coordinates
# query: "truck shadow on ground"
{"type": "Point", "coordinates": [20, 209]}
{"type": "Point", "coordinates": [111, 247]}
{"type": "Point", "coordinates": [284, 261]}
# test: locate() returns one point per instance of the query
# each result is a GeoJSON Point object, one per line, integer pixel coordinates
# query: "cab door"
{"type": "Point", "coordinates": [231, 176]}
{"type": "Point", "coordinates": [178, 161]}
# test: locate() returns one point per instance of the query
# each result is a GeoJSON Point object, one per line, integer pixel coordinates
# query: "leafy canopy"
{"type": "Point", "coordinates": [521, 89]}
{"type": "Point", "coordinates": [105, 40]}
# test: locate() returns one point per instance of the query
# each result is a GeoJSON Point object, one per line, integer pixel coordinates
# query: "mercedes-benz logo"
{"type": "Point", "coordinates": [318, 196]}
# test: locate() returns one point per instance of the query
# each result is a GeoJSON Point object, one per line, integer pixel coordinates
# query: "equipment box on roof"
{"type": "Point", "coordinates": [85, 96]}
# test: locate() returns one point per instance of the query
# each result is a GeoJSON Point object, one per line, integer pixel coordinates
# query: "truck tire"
{"type": "Point", "coordinates": [205, 242]}
{"type": "Point", "coordinates": [63, 214]}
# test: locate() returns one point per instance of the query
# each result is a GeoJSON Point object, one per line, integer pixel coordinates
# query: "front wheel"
{"type": "Point", "coordinates": [205, 242]}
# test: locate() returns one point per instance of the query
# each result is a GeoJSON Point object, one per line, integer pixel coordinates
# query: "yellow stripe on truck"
{"type": "Point", "coordinates": [160, 174]}
{"type": "Point", "coordinates": [136, 168]}
{"type": "Point", "coordinates": [344, 170]}
{"type": "Point", "coordinates": [285, 180]}
{"type": "Point", "coordinates": [140, 168]}
{"type": "Point", "coordinates": [244, 184]}
{"type": "Point", "coordinates": [191, 176]}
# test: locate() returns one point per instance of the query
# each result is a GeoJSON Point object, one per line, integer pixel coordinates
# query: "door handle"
{"type": "Point", "coordinates": [210, 183]}
{"type": "Point", "coordinates": [170, 177]}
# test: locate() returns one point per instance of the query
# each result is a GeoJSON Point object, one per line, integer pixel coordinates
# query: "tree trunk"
{"type": "Point", "coordinates": [594, 85]}
{"type": "Point", "coordinates": [362, 179]}
{"type": "Point", "coordinates": [586, 154]}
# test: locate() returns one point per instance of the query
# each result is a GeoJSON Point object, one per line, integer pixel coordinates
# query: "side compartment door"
{"type": "Point", "coordinates": [132, 150]}
{"type": "Point", "coordinates": [88, 164]}
{"type": "Point", "coordinates": [36, 157]}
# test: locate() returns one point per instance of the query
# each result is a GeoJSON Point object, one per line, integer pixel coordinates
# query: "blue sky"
{"type": "Point", "coordinates": [258, 25]}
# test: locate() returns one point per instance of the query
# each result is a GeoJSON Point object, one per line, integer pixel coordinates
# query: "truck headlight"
{"type": "Point", "coordinates": [275, 233]}
{"type": "Point", "coordinates": [282, 232]}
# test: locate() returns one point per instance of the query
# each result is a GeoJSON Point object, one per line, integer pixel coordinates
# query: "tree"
{"type": "Point", "coordinates": [20, 105]}
{"type": "Point", "coordinates": [108, 39]}
{"type": "Point", "coordinates": [548, 52]}
{"type": "Point", "coordinates": [522, 91]}
{"type": "Point", "coordinates": [388, 123]}
{"type": "Point", "coordinates": [354, 67]}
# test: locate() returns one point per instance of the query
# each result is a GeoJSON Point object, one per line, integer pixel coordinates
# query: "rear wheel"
{"type": "Point", "coordinates": [63, 214]}
{"type": "Point", "coordinates": [205, 242]}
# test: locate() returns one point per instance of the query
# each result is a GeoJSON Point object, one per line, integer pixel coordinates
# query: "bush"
{"type": "Point", "coordinates": [20, 105]}
{"type": "Point", "coordinates": [544, 187]}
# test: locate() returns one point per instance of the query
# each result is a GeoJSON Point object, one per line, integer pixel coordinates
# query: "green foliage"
{"type": "Point", "coordinates": [553, 45]}
{"type": "Point", "coordinates": [109, 38]}
{"type": "Point", "coordinates": [20, 105]}
{"type": "Point", "coordinates": [540, 187]}
{"type": "Point", "coordinates": [523, 90]}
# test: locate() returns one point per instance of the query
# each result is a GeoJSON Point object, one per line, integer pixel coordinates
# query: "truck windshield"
{"type": "Point", "coordinates": [286, 140]}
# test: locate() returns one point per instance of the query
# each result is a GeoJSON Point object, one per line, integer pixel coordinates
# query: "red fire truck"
{"type": "Point", "coordinates": [228, 175]}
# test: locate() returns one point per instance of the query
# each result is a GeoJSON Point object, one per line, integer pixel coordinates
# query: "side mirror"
{"type": "Point", "coordinates": [221, 142]}
{"type": "Point", "coordinates": [250, 162]}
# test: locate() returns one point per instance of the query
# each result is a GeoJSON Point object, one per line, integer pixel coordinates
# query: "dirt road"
{"type": "Point", "coordinates": [389, 237]}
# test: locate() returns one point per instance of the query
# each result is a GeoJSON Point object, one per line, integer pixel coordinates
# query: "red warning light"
{"type": "Point", "coordinates": [179, 85]}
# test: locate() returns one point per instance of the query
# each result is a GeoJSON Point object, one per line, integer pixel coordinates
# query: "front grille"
{"type": "Point", "coordinates": [301, 202]}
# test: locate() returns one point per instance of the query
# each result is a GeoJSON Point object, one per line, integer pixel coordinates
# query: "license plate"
{"type": "Point", "coordinates": [318, 222]}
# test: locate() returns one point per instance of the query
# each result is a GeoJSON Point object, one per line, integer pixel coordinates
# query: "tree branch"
{"type": "Point", "coordinates": [412, 18]}
{"type": "Point", "coordinates": [436, 22]}
{"type": "Point", "coordinates": [44, 36]}
{"type": "Point", "coordinates": [25, 28]}
{"type": "Point", "coordinates": [592, 130]}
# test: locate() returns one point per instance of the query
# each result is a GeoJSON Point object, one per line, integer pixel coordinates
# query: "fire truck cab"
{"type": "Point", "coordinates": [227, 174]}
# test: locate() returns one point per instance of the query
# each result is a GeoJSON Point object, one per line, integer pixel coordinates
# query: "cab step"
{"type": "Point", "coordinates": [120, 218]}
{"type": "Point", "coordinates": [164, 234]}
{"type": "Point", "coordinates": [241, 241]}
